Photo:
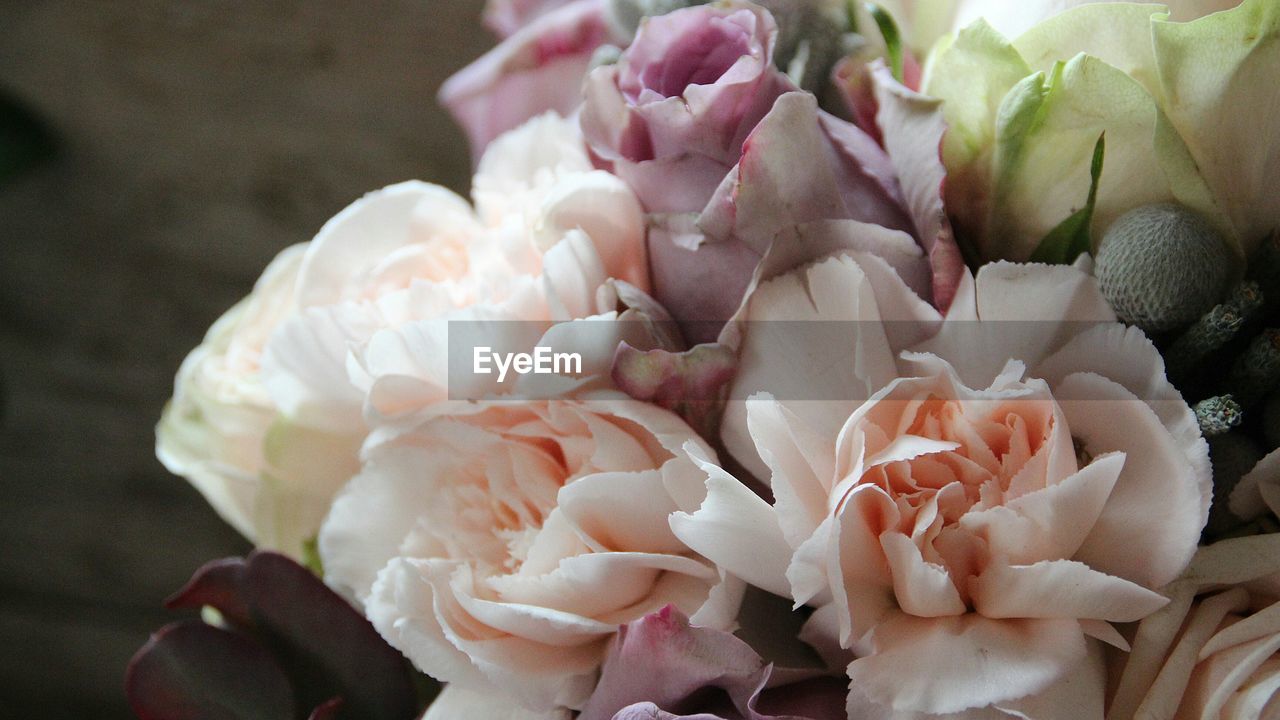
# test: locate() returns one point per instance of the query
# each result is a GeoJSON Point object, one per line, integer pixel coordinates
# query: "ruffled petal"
{"type": "Point", "coordinates": [946, 665]}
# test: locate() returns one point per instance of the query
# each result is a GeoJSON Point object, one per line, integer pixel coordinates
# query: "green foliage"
{"type": "Point", "coordinates": [892, 38]}
{"type": "Point", "coordinates": [1070, 238]}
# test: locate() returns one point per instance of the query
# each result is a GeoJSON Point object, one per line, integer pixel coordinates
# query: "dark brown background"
{"type": "Point", "coordinates": [196, 139]}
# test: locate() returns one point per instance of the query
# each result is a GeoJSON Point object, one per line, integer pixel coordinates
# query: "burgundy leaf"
{"type": "Point", "coordinates": [220, 584]}
{"type": "Point", "coordinates": [327, 710]}
{"type": "Point", "coordinates": [193, 671]}
{"type": "Point", "coordinates": [328, 646]}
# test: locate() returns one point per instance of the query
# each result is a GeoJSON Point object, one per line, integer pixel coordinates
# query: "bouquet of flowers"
{"type": "Point", "coordinates": [792, 359]}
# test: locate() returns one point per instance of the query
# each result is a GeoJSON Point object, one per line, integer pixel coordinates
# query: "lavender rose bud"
{"type": "Point", "coordinates": [729, 160]}
{"type": "Point", "coordinates": [662, 668]}
{"type": "Point", "coordinates": [672, 114]}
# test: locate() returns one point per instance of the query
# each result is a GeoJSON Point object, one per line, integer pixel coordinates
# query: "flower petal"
{"type": "Point", "coordinates": [738, 531]}
{"type": "Point", "coordinates": [1060, 589]}
{"type": "Point", "coordinates": [1129, 540]}
{"type": "Point", "coordinates": [944, 665]}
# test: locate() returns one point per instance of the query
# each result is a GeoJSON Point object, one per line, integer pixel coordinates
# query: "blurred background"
{"type": "Point", "coordinates": [154, 156]}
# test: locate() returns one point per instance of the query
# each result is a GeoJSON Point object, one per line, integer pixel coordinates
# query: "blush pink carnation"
{"type": "Point", "coordinates": [500, 547]}
{"type": "Point", "coordinates": [380, 283]}
{"type": "Point", "coordinates": [966, 513]}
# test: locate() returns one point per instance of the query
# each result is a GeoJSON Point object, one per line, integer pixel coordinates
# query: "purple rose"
{"type": "Point", "coordinates": [662, 668]}
{"type": "Point", "coordinates": [729, 159]}
{"type": "Point", "coordinates": [672, 114]}
{"type": "Point", "coordinates": [540, 67]}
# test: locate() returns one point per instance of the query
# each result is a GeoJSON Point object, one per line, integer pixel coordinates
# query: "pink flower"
{"type": "Point", "coordinates": [538, 68]}
{"type": "Point", "coordinates": [966, 518]}
{"type": "Point", "coordinates": [380, 283]}
{"type": "Point", "coordinates": [661, 667]}
{"type": "Point", "coordinates": [727, 158]}
{"type": "Point", "coordinates": [672, 115]}
{"type": "Point", "coordinates": [501, 546]}
{"type": "Point", "coordinates": [506, 17]}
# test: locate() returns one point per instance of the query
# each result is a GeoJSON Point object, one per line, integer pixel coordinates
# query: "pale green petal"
{"type": "Point", "coordinates": [922, 22]}
{"type": "Point", "coordinates": [972, 74]}
{"type": "Point", "coordinates": [216, 448]}
{"type": "Point", "coordinates": [1044, 148]}
{"type": "Point", "coordinates": [1119, 34]}
{"type": "Point", "coordinates": [1220, 80]}
{"type": "Point", "coordinates": [304, 468]}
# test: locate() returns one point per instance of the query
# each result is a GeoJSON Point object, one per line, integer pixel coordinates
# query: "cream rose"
{"type": "Point", "coordinates": [1186, 108]}
{"type": "Point", "coordinates": [1214, 652]}
{"type": "Point", "coordinates": [383, 279]}
{"type": "Point", "coordinates": [967, 516]}
{"type": "Point", "coordinates": [500, 547]}
{"type": "Point", "coordinates": [270, 478]}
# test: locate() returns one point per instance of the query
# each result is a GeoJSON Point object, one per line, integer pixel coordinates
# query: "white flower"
{"type": "Point", "coordinates": [270, 478]}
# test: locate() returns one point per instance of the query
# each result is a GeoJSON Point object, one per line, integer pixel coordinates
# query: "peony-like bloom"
{"type": "Point", "coordinates": [271, 478]}
{"type": "Point", "coordinates": [1186, 108]}
{"type": "Point", "coordinates": [727, 158]}
{"type": "Point", "coordinates": [1214, 652]}
{"type": "Point", "coordinates": [538, 68]}
{"type": "Point", "coordinates": [969, 515]}
{"type": "Point", "coordinates": [383, 279]}
{"type": "Point", "coordinates": [501, 547]}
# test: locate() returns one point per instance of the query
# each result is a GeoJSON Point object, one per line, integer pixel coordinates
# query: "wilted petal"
{"type": "Point", "coordinates": [661, 658]}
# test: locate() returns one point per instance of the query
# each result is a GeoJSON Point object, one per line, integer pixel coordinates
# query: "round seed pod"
{"type": "Point", "coordinates": [1163, 266]}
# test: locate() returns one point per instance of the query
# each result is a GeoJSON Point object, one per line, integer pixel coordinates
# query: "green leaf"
{"type": "Point", "coordinates": [892, 38]}
{"type": "Point", "coordinates": [1070, 238]}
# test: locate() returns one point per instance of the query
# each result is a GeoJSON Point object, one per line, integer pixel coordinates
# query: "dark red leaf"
{"type": "Point", "coordinates": [193, 671]}
{"type": "Point", "coordinates": [219, 583]}
{"type": "Point", "coordinates": [327, 710]}
{"type": "Point", "coordinates": [329, 647]}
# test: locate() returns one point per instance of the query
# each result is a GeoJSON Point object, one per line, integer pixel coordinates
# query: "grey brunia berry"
{"type": "Point", "coordinates": [1162, 266]}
